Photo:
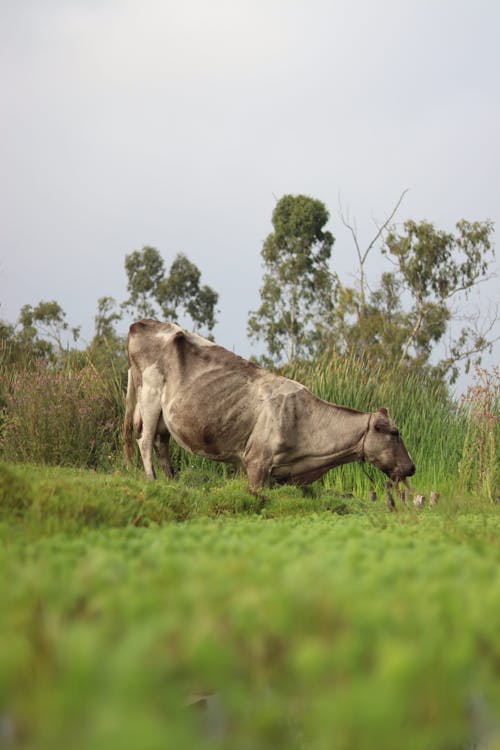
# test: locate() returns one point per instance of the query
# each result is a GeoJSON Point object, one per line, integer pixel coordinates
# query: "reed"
{"type": "Point", "coordinates": [479, 467]}
{"type": "Point", "coordinates": [430, 421]}
{"type": "Point", "coordinates": [63, 413]}
{"type": "Point", "coordinates": [70, 413]}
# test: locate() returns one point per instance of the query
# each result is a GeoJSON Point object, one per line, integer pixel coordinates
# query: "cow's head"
{"type": "Point", "coordinates": [384, 447]}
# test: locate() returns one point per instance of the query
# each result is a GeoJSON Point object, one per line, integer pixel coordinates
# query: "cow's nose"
{"type": "Point", "coordinates": [412, 471]}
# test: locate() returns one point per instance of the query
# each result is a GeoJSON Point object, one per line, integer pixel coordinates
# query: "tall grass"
{"type": "Point", "coordinates": [431, 424]}
{"type": "Point", "coordinates": [64, 414]}
{"type": "Point", "coordinates": [70, 413]}
{"type": "Point", "coordinates": [480, 463]}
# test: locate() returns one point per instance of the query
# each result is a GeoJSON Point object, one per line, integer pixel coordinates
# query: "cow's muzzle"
{"type": "Point", "coordinates": [400, 476]}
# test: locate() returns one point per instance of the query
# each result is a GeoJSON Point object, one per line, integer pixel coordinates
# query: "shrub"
{"type": "Point", "coordinates": [479, 467]}
{"type": "Point", "coordinates": [64, 416]}
{"type": "Point", "coordinates": [15, 492]}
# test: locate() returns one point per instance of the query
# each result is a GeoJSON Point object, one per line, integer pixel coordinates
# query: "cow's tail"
{"type": "Point", "coordinates": [128, 424]}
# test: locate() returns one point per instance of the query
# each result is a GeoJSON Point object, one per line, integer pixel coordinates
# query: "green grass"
{"type": "Point", "coordinates": [48, 500]}
{"type": "Point", "coordinates": [319, 621]}
{"type": "Point", "coordinates": [432, 426]}
{"type": "Point", "coordinates": [70, 413]}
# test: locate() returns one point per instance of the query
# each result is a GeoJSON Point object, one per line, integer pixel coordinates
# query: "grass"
{"type": "Point", "coordinates": [431, 425]}
{"type": "Point", "coordinates": [69, 500]}
{"type": "Point", "coordinates": [318, 621]}
{"type": "Point", "coordinates": [70, 414]}
{"type": "Point", "coordinates": [317, 618]}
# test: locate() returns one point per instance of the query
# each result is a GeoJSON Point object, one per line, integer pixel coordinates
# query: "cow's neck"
{"type": "Point", "coordinates": [331, 436]}
{"type": "Point", "coordinates": [341, 433]}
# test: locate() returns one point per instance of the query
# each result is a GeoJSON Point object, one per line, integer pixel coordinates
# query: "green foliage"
{"type": "Point", "coordinates": [13, 351]}
{"type": "Point", "coordinates": [480, 463]}
{"type": "Point", "coordinates": [145, 270]}
{"type": "Point", "coordinates": [45, 322]}
{"type": "Point", "coordinates": [298, 289]}
{"type": "Point", "coordinates": [50, 500]}
{"type": "Point", "coordinates": [62, 415]}
{"type": "Point", "coordinates": [305, 309]}
{"type": "Point", "coordinates": [72, 414]}
{"type": "Point", "coordinates": [181, 290]}
{"type": "Point", "coordinates": [410, 311]}
{"type": "Point", "coordinates": [433, 430]}
{"type": "Point", "coordinates": [313, 631]}
{"type": "Point", "coordinates": [435, 262]}
{"type": "Point", "coordinates": [15, 493]}
{"type": "Point", "coordinates": [39, 333]}
{"type": "Point", "coordinates": [434, 266]}
{"type": "Point", "coordinates": [107, 350]}
{"type": "Point", "coordinates": [106, 318]}
{"type": "Point", "coordinates": [178, 291]}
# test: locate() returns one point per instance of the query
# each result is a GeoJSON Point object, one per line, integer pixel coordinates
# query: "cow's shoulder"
{"type": "Point", "coordinates": [146, 341]}
{"type": "Point", "coordinates": [279, 387]}
{"type": "Point", "coordinates": [189, 347]}
{"type": "Point", "coordinates": [147, 328]}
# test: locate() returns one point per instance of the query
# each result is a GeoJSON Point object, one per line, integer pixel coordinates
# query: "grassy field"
{"type": "Point", "coordinates": [312, 620]}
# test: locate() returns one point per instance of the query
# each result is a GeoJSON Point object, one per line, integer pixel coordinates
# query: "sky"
{"type": "Point", "coordinates": [126, 123]}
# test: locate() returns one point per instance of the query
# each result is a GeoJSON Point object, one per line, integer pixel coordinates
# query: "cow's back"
{"type": "Point", "coordinates": [211, 397]}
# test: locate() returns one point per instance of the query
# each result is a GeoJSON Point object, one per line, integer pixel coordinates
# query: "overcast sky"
{"type": "Point", "coordinates": [178, 124]}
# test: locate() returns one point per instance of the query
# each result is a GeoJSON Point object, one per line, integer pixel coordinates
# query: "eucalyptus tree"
{"type": "Point", "coordinates": [436, 267]}
{"type": "Point", "coordinates": [44, 326]}
{"type": "Point", "coordinates": [155, 293]}
{"type": "Point", "coordinates": [298, 289]}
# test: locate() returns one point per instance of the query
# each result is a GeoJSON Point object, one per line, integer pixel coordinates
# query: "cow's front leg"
{"type": "Point", "coordinates": [257, 472]}
{"type": "Point", "coordinates": [145, 443]}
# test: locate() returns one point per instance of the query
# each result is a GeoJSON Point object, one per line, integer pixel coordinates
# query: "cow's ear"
{"type": "Point", "coordinates": [381, 421]}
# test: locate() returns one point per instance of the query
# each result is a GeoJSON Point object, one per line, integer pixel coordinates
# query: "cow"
{"type": "Point", "coordinates": [220, 406]}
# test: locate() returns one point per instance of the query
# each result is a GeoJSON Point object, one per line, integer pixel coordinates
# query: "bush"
{"type": "Point", "coordinates": [62, 416]}
{"type": "Point", "coordinates": [15, 492]}
{"type": "Point", "coordinates": [480, 465]}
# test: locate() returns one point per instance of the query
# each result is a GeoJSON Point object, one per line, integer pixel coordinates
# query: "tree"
{"type": "Point", "coordinates": [435, 267]}
{"type": "Point", "coordinates": [181, 290]}
{"type": "Point", "coordinates": [43, 327]}
{"type": "Point", "coordinates": [145, 270]}
{"type": "Point", "coordinates": [107, 349]}
{"type": "Point", "coordinates": [298, 289]}
{"type": "Point", "coordinates": [432, 268]}
{"type": "Point", "coordinates": [105, 319]}
{"type": "Point", "coordinates": [363, 253]}
{"type": "Point", "coordinates": [376, 330]}
{"type": "Point", "coordinates": [152, 292]}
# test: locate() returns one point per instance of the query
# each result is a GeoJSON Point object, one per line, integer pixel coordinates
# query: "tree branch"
{"type": "Point", "coordinates": [416, 329]}
{"type": "Point", "coordinates": [362, 256]}
{"type": "Point", "coordinates": [385, 224]}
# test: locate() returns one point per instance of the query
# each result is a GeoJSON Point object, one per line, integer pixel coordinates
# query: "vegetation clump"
{"type": "Point", "coordinates": [303, 627]}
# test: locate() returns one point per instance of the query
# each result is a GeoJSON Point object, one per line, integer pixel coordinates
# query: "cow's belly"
{"type": "Point", "coordinates": [296, 474]}
{"type": "Point", "coordinates": [208, 427]}
{"type": "Point", "coordinates": [199, 444]}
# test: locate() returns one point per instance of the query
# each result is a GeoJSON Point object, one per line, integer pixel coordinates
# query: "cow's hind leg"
{"type": "Point", "coordinates": [162, 441]}
{"type": "Point", "coordinates": [145, 442]}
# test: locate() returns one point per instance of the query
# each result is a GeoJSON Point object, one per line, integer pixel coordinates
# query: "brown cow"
{"type": "Point", "coordinates": [220, 406]}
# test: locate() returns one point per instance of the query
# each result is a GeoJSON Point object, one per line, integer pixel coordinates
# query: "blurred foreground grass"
{"type": "Point", "coordinates": [315, 629]}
